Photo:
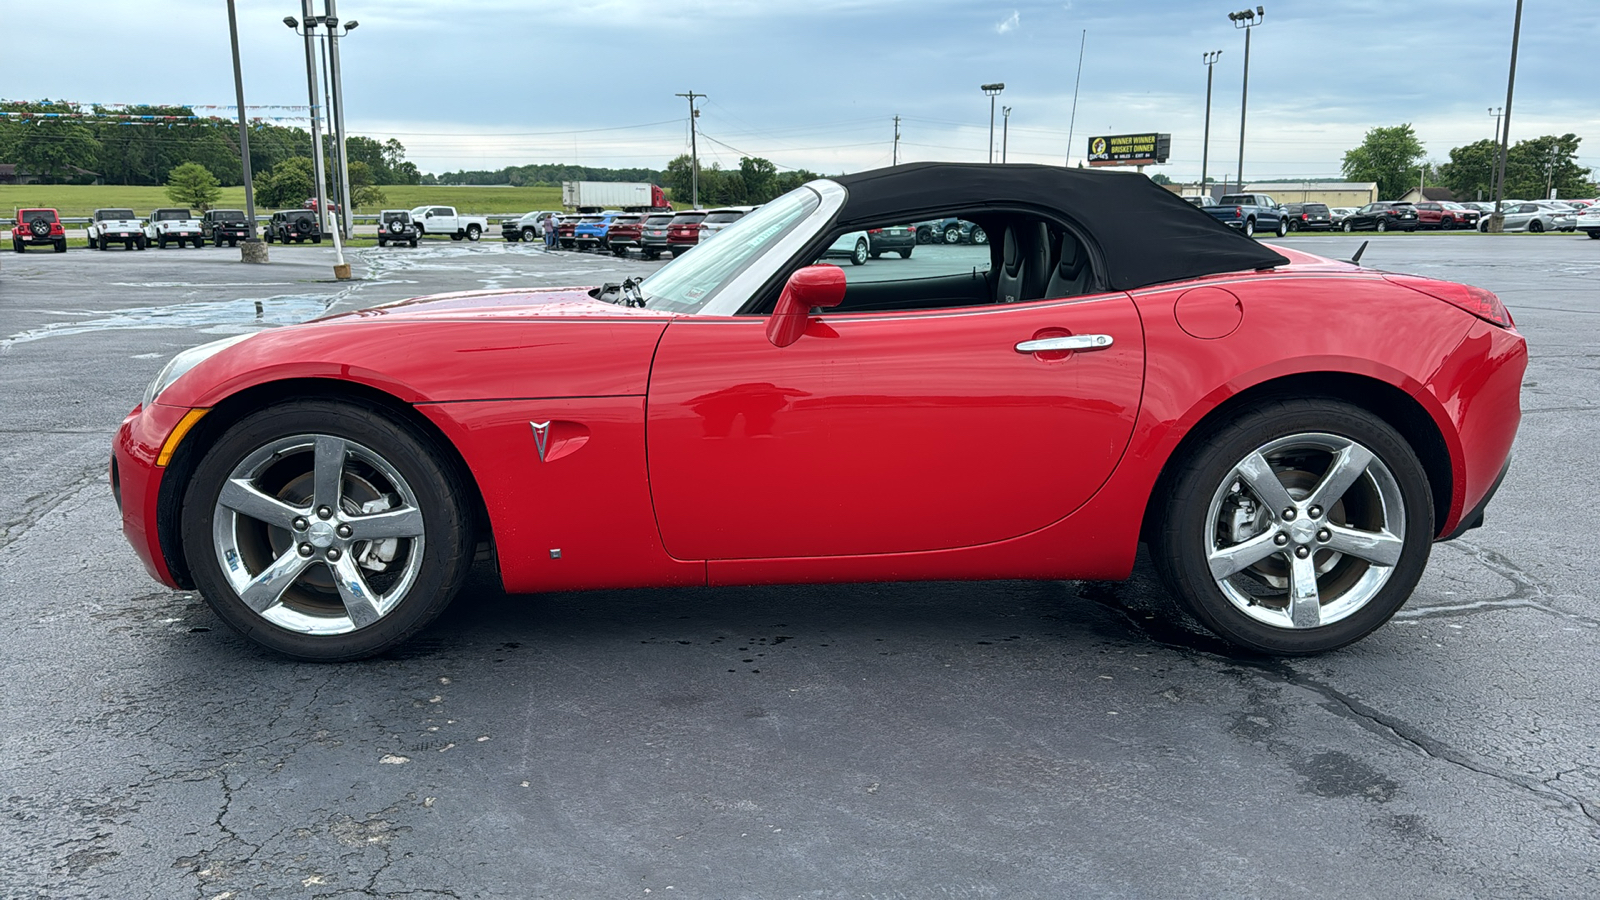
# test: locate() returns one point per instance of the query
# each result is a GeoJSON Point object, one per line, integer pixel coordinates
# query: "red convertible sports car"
{"type": "Point", "coordinates": [1288, 434]}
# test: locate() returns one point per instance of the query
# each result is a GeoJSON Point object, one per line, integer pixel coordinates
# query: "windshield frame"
{"type": "Point", "coordinates": [762, 263]}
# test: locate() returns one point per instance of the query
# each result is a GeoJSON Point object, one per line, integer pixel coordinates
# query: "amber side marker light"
{"type": "Point", "coordinates": [176, 437]}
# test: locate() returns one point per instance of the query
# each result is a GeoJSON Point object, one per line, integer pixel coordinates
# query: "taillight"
{"type": "Point", "coordinates": [1238, 211]}
{"type": "Point", "coordinates": [1304, 217]}
{"type": "Point", "coordinates": [874, 231]}
{"type": "Point", "coordinates": [1481, 303]}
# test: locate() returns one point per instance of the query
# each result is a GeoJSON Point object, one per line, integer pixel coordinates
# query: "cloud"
{"type": "Point", "coordinates": [1009, 23]}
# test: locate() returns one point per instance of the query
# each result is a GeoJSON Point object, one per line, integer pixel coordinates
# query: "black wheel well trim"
{"type": "Point", "coordinates": [1399, 409]}
{"type": "Point", "coordinates": [175, 480]}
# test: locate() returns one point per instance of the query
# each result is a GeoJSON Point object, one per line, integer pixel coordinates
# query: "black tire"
{"type": "Point", "coordinates": [1348, 227]}
{"type": "Point", "coordinates": [104, 243]}
{"type": "Point", "coordinates": [859, 257]}
{"type": "Point", "coordinates": [316, 239]}
{"type": "Point", "coordinates": [39, 228]}
{"type": "Point", "coordinates": [139, 243]}
{"type": "Point", "coordinates": [1249, 227]}
{"type": "Point", "coordinates": [905, 254]}
{"type": "Point", "coordinates": [875, 254]}
{"type": "Point", "coordinates": [474, 232]}
{"type": "Point", "coordinates": [271, 236]}
{"type": "Point", "coordinates": [127, 245]}
{"type": "Point", "coordinates": [1283, 226]}
{"type": "Point", "coordinates": [60, 245]}
{"type": "Point", "coordinates": [1536, 226]}
{"type": "Point", "coordinates": [383, 241]}
{"type": "Point", "coordinates": [161, 242]}
{"type": "Point", "coordinates": [455, 237]}
{"type": "Point", "coordinates": [1293, 226]}
{"type": "Point", "coordinates": [413, 242]}
{"type": "Point", "coordinates": [1381, 226]}
{"type": "Point", "coordinates": [198, 242]}
{"type": "Point", "coordinates": [952, 235]}
{"type": "Point", "coordinates": [436, 573]}
{"type": "Point", "coordinates": [1594, 234]}
{"type": "Point", "coordinates": [1201, 481]}
{"type": "Point", "coordinates": [925, 235]}
{"type": "Point", "coordinates": [216, 241]}
{"type": "Point", "coordinates": [233, 242]}
{"type": "Point", "coordinates": [979, 236]}
{"type": "Point", "coordinates": [18, 246]}
{"type": "Point", "coordinates": [529, 235]}
{"type": "Point", "coordinates": [656, 254]}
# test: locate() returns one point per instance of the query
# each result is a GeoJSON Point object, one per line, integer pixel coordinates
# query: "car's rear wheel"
{"type": "Point", "coordinates": [413, 242]}
{"type": "Point", "coordinates": [979, 236]}
{"type": "Point", "coordinates": [1536, 226]}
{"type": "Point", "coordinates": [1299, 526]}
{"type": "Point", "coordinates": [859, 257]}
{"type": "Point", "coordinates": [1382, 225]}
{"type": "Point", "coordinates": [952, 235]}
{"type": "Point", "coordinates": [1349, 227]}
{"type": "Point", "coordinates": [161, 242]}
{"type": "Point", "coordinates": [60, 244]}
{"type": "Point", "coordinates": [906, 253]}
{"type": "Point", "coordinates": [1594, 234]}
{"type": "Point", "coordinates": [1249, 227]}
{"type": "Point", "coordinates": [474, 232]}
{"type": "Point", "coordinates": [1294, 225]}
{"type": "Point", "coordinates": [324, 530]}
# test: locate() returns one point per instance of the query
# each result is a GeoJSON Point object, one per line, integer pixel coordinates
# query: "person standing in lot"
{"type": "Point", "coordinates": [550, 232]}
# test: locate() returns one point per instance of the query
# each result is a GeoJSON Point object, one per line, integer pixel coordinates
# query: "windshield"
{"type": "Point", "coordinates": [689, 282]}
{"type": "Point", "coordinates": [163, 215]}
{"type": "Point", "coordinates": [689, 219]}
{"type": "Point", "coordinates": [103, 215]}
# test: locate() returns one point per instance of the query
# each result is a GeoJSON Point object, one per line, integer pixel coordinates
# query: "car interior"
{"type": "Point", "coordinates": [1033, 259]}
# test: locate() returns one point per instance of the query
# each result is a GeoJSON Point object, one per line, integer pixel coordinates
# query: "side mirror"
{"type": "Point", "coordinates": [814, 287]}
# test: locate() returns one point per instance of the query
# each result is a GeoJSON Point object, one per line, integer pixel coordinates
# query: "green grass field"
{"type": "Point", "coordinates": [82, 200]}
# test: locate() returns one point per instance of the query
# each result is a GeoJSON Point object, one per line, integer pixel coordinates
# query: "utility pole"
{"type": "Point", "coordinates": [1497, 219]}
{"type": "Point", "coordinates": [992, 91]}
{"type": "Point", "coordinates": [343, 160]}
{"type": "Point", "coordinates": [1247, 19]}
{"type": "Point", "coordinates": [252, 250]}
{"type": "Point", "coordinates": [896, 156]}
{"type": "Point", "coordinates": [1210, 60]}
{"type": "Point", "coordinates": [694, 149]}
{"type": "Point", "coordinates": [1005, 130]}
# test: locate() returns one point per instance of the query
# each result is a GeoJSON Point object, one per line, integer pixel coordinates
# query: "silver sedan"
{"type": "Point", "coordinates": [1534, 217]}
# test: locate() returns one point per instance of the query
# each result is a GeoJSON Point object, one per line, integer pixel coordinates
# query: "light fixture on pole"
{"type": "Point", "coordinates": [1247, 19]}
{"type": "Point", "coordinates": [1005, 130]}
{"type": "Point", "coordinates": [993, 91]}
{"type": "Point", "coordinates": [1210, 60]}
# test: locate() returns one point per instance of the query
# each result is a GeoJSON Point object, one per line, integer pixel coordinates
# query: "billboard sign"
{"type": "Point", "coordinates": [1129, 149]}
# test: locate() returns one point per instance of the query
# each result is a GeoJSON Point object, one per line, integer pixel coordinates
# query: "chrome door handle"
{"type": "Point", "coordinates": [1070, 342]}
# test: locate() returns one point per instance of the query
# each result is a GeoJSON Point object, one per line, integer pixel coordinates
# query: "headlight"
{"type": "Point", "coordinates": [180, 364]}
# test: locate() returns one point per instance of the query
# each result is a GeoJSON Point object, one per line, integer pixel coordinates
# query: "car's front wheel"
{"type": "Point", "coordinates": [324, 530]}
{"type": "Point", "coordinates": [1299, 526]}
{"type": "Point", "coordinates": [979, 236]}
{"type": "Point", "coordinates": [859, 257]}
{"type": "Point", "coordinates": [529, 235]}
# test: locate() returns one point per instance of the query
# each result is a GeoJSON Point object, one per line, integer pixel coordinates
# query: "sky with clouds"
{"type": "Point", "coordinates": [480, 84]}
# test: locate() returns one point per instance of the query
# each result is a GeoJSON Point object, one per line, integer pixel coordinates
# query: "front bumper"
{"type": "Point", "coordinates": [136, 483]}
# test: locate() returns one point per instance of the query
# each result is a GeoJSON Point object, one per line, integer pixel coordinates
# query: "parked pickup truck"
{"type": "Point", "coordinates": [1250, 213]}
{"type": "Point", "coordinates": [445, 220]}
{"type": "Point", "coordinates": [173, 224]}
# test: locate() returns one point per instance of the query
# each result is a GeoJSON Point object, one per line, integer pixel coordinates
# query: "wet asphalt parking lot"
{"type": "Point", "coordinates": [1003, 739]}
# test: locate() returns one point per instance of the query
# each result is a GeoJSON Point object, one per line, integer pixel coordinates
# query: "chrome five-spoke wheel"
{"type": "Point", "coordinates": [317, 534]}
{"type": "Point", "coordinates": [324, 529]}
{"type": "Point", "coordinates": [1298, 526]}
{"type": "Point", "coordinates": [1306, 532]}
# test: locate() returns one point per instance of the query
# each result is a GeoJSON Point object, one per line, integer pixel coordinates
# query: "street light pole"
{"type": "Point", "coordinates": [694, 149]}
{"type": "Point", "coordinates": [252, 251]}
{"type": "Point", "coordinates": [309, 19]}
{"type": "Point", "coordinates": [895, 157]}
{"type": "Point", "coordinates": [993, 91]}
{"type": "Point", "coordinates": [1247, 19]}
{"type": "Point", "coordinates": [343, 160]}
{"type": "Point", "coordinates": [1005, 130]}
{"type": "Point", "coordinates": [1497, 219]}
{"type": "Point", "coordinates": [1210, 60]}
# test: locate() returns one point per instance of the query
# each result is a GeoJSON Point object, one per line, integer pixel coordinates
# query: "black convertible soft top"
{"type": "Point", "coordinates": [1145, 234]}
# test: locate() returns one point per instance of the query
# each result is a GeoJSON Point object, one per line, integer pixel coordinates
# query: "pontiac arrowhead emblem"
{"type": "Point", "coordinates": [541, 437]}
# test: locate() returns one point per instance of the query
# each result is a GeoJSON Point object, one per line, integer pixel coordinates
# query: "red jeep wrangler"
{"type": "Point", "coordinates": [37, 226]}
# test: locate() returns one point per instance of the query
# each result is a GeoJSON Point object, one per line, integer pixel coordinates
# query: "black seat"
{"type": "Point", "coordinates": [1071, 275]}
{"type": "Point", "coordinates": [1024, 263]}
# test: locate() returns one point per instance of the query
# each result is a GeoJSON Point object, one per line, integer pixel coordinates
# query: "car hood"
{"type": "Point", "coordinates": [479, 345]}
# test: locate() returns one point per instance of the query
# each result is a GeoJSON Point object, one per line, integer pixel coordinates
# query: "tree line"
{"type": "Point", "coordinates": [80, 147]}
{"type": "Point", "coordinates": [1395, 159]}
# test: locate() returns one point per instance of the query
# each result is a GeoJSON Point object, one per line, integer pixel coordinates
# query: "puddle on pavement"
{"type": "Point", "coordinates": [215, 317]}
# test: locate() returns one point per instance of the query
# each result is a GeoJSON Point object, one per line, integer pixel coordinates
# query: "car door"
{"type": "Point", "coordinates": [881, 433]}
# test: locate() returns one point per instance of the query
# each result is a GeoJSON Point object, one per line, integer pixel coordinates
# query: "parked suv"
{"type": "Point", "coordinates": [395, 225]}
{"type": "Point", "coordinates": [1385, 215]}
{"type": "Point", "coordinates": [683, 232]}
{"type": "Point", "coordinates": [295, 225]}
{"type": "Point", "coordinates": [901, 239]}
{"type": "Point", "coordinates": [32, 227]}
{"type": "Point", "coordinates": [626, 232]}
{"type": "Point", "coordinates": [115, 226]}
{"type": "Point", "coordinates": [653, 236]}
{"type": "Point", "coordinates": [225, 225]}
{"type": "Point", "coordinates": [1308, 216]}
{"type": "Point", "coordinates": [718, 219]}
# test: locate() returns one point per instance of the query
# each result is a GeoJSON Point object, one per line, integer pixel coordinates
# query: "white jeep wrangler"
{"type": "Point", "coordinates": [173, 224]}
